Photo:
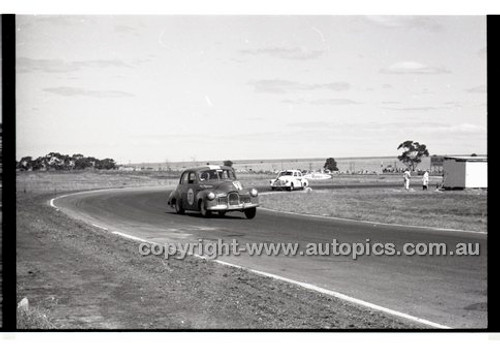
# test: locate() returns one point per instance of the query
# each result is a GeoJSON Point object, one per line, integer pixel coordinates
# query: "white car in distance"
{"type": "Point", "coordinates": [289, 180]}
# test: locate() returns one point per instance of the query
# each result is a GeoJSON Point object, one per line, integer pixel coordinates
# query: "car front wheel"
{"type": "Point", "coordinates": [204, 211]}
{"type": "Point", "coordinates": [291, 187]}
{"type": "Point", "coordinates": [250, 213]}
{"type": "Point", "coordinates": [178, 207]}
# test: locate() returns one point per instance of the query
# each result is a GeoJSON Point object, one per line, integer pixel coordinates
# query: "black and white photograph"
{"type": "Point", "coordinates": [251, 172]}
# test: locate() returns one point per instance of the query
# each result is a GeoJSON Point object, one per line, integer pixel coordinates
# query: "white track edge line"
{"type": "Point", "coordinates": [130, 237]}
{"type": "Point", "coordinates": [100, 227]}
{"type": "Point", "coordinates": [52, 203]}
{"type": "Point", "coordinates": [339, 296]}
{"type": "Point", "coordinates": [332, 293]}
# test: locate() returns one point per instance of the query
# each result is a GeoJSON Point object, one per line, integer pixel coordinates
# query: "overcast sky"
{"type": "Point", "coordinates": [152, 88]}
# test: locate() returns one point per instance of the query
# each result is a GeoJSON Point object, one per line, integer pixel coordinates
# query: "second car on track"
{"type": "Point", "coordinates": [289, 180]}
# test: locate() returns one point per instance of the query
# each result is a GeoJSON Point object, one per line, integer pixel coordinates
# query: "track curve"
{"type": "Point", "coordinates": [443, 289]}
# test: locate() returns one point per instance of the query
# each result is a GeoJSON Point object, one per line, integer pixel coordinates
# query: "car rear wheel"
{"type": "Point", "coordinates": [250, 213]}
{"type": "Point", "coordinates": [178, 207]}
{"type": "Point", "coordinates": [204, 211]}
{"type": "Point", "coordinates": [222, 213]}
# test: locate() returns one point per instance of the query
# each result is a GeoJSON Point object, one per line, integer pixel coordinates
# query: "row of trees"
{"type": "Point", "coordinates": [411, 156]}
{"type": "Point", "coordinates": [59, 161]}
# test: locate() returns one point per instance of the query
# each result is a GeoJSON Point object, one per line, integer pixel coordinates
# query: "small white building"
{"type": "Point", "coordinates": [465, 172]}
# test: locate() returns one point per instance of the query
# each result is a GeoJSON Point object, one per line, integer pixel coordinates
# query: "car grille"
{"type": "Point", "coordinates": [234, 199]}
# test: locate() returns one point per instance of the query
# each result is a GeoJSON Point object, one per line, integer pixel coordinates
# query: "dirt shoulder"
{"type": "Point", "coordinates": [81, 277]}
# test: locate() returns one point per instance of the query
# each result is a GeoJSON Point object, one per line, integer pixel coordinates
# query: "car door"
{"type": "Point", "coordinates": [299, 178]}
{"type": "Point", "coordinates": [191, 189]}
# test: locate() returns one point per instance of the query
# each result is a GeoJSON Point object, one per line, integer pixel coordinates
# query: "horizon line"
{"type": "Point", "coordinates": [238, 161]}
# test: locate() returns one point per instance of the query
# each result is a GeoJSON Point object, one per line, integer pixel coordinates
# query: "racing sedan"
{"type": "Point", "coordinates": [213, 189]}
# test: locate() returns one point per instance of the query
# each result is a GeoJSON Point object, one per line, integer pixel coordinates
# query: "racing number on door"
{"type": "Point", "coordinates": [190, 197]}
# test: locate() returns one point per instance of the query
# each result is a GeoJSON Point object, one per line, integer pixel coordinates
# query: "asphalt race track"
{"type": "Point", "coordinates": [447, 290]}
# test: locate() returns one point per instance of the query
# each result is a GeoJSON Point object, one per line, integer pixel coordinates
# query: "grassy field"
{"type": "Point", "coordinates": [465, 210]}
{"type": "Point", "coordinates": [60, 181]}
{"type": "Point", "coordinates": [340, 180]}
{"type": "Point", "coordinates": [67, 181]}
{"type": "Point", "coordinates": [43, 182]}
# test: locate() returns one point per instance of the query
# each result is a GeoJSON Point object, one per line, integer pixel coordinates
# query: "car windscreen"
{"type": "Point", "coordinates": [285, 173]}
{"type": "Point", "coordinates": [216, 175]}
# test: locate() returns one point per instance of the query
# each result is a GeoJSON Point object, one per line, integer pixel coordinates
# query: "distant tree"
{"type": "Point", "coordinates": [473, 154]}
{"type": "Point", "coordinates": [105, 164]}
{"type": "Point", "coordinates": [57, 161]}
{"type": "Point", "coordinates": [68, 163]}
{"type": "Point", "coordinates": [412, 155]}
{"type": "Point", "coordinates": [26, 163]}
{"type": "Point", "coordinates": [83, 163]}
{"type": "Point", "coordinates": [331, 164]}
{"type": "Point", "coordinates": [228, 163]}
{"type": "Point", "coordinates": [39, 163]}
{"type": "Point", "coordinates": [93, 161]}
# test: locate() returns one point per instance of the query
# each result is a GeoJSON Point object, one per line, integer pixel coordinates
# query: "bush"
{"type": "Point", "coordinates": [59, 161]}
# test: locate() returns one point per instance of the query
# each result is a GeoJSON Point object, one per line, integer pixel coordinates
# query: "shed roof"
{"type": "Point", "coordinates": [479, 158]}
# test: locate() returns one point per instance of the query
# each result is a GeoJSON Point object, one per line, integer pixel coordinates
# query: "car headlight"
{"type": "Point", "coordinates": [210, 196]}
{"type": "Point", "coordinates": [254, 192]}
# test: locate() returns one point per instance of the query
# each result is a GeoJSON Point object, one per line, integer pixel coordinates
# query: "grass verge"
{"type": "Point", "coordinates": [33, 319]}
{"type": "Point", "coordinates": [55, 182]}
{"type": "Point", "coordinates": [464, 210]}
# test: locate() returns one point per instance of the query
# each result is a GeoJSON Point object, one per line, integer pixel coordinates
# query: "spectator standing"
{"type": "Point", "coordinates": [425, 180]}
{"type": "Point", "coordinates": [406, 178]}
